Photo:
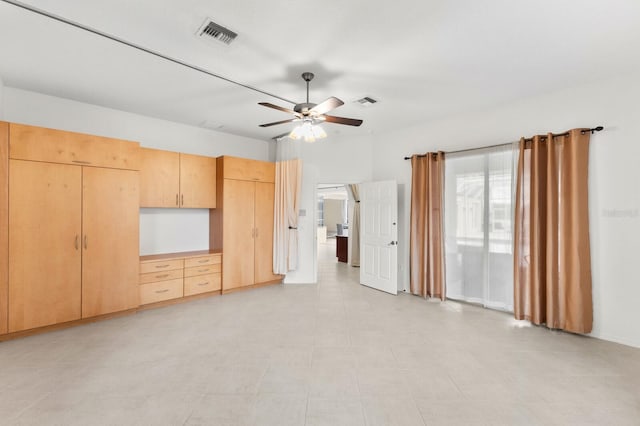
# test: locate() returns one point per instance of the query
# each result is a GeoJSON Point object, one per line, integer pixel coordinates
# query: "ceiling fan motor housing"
{"type": "Point", "coordinates": [304, 108]}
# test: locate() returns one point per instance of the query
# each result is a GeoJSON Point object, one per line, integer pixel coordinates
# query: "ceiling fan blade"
{"type": "Point", "coordinates": [342, 120]}
{"type": "Point", "coordinates": [326, 106]}
{"type": "Point", "coordinates": [278, 122]}
{"type": "Point", "coordinates": [281, 136]}
{"type": "Point", "coordinates": [279, 108]}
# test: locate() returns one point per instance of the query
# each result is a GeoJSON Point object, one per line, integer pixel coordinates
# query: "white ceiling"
{"type": "Point", "coordinates": [421, 59]}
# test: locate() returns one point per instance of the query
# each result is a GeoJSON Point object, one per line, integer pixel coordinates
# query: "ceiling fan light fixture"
{"type": "Point", "coordinates": [308, 131]}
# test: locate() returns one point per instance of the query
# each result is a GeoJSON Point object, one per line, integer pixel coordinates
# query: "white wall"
{"type": "Point", "coordinates": [330, 160]}
{"type": "Point", "coordinates": [161, 230]}
{"type": "Point", "coordinates": [613, 178]}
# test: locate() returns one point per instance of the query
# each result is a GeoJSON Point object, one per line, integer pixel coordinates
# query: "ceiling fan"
{"type": "Point", "coordinates": [311, 114]}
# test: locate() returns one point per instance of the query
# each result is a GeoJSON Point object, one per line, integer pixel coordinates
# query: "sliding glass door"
{"type": "Point", "coordinates": [478, 227]}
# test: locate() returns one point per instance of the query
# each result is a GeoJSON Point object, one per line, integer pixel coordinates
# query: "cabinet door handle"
{"type": "Point", "coordinates": [256, 232]}
{"type": "Point", "coordinates": [204, 283]}
{"type": "Point", "coordinates": [162, 276]}
{"type": "Point", "coordinates": [177, 199]}
{"type": "Point", "coordinates": [77, 242]}
{"type": "Point", "coordinates": [162, 291]}
{"type": "Point", "coordinates": [86, 242]}
{"type": "Point", "coordinates": [182, 200]}
{"type": "Point", "coordinates": [253, 232]}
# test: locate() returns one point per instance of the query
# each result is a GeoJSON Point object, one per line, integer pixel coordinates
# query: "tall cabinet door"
{"type": "Point", "coordinates": [238, 236]}
{"type": "Point", "coordinates": [4, 224]}
{"type": "Point", "coordinates": [44, 244]}
{"type": "Point", "coordinates": [263, 220]}
{"type": "Point", "coordinates": [110, 241]}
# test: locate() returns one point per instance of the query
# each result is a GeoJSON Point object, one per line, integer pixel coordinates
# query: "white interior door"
{"type": "Point", "coordinates": [379, 235]}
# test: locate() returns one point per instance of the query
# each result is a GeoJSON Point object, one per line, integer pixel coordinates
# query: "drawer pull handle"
{"type": "Point", "coordinates": [162, 291]}
{"type": "Point", "coordinates": [162, 276]}
{"type": "Point", "coordinates": [162, 266]}
{"type": "Point", "coordinates": [203, 270]}
{"type": "Point", "coordinates": [204, 283]}
{"type": "Point", "coordinates": [81, 162]}
{"type": "Point", "coordinates": [203, 261]}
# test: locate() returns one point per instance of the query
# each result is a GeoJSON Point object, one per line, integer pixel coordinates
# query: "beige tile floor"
{"type": "Point", "coordinates": [335, 353]}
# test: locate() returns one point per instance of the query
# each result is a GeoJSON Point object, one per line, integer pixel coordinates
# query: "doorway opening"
{"type": "Point", "coordinates": [334, 210]}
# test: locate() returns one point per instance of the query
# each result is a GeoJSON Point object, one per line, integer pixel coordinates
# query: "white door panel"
{"type": "Point", "coordinates": [379, 216]}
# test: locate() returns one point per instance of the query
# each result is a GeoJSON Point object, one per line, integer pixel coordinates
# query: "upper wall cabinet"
{"type": "Point", "coordinates": [245, 169]}
{"type": "Point", "coordinates": [172, 179]}
{"type": "Point", "coordinates": [59, 146]}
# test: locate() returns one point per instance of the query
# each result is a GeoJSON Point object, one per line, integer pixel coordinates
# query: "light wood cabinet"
{"type": "Point", "coordinates": [59, 146]}
{"type": "Point", "coordinates": [242, 224]}
{"type": "Point", "coordinates": [45, 254]}
{"type": "Point", "coordinates": [110, 240]}
{"type": "Point", "coordinates": [159, 178]}
{"type": "Point", "coordinates": [263, 222]}
{"type": "Point", "coordinates": [172, 179]}
{"type": "Point", "coordinates": [197, 181]}
{"type": "Point", "coordinates": [73, 228]}
{"type": "Point", "coordinates": [174, 275]}
{"type": "Point", "coordinates": [4, 225]}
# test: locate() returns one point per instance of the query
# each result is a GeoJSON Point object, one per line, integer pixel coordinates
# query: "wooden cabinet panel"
{"type": "Point", "coordinates": [201, 270]}
{"type": "Point", "coordinates": [44, 244]}
{"type": "Point", "coordinates": [197, 181]}
{"type": "Point", "coordinates": [238, 241]}
{"type": "Point", "coordinates": [159, 178]}
{"type": "Point", "coordinates": [162, 265]}
{"type": "Point", "coordinates": [160, 276]}
{"type": "Point", "coordinates": [160, 291]}
{"type": "Point", "coordinates": [110, 241]}
{"type": "Point", "coordinates": [4, 225]}
{"type": "Point", "coordinates": [201, 284]}
{"type": "Point", "coordinates": [245, 169]}
{"type": "Point", "coordinates": [263, 220]}
{"type": "Point", "coordinates": [200, 261]}
{"type": "Point", "coordinates": [58, 146]}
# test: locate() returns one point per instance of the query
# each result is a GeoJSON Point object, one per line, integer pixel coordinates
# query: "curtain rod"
{"type": "Point", "coordinates": [138, 47]}
{"type": "Point", "coordinates": [592, 130]}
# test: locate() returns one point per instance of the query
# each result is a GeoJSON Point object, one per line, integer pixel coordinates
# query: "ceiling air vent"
{"type": "Point", "coordinates": [209, 30]}
{"type": "Point", "coordinates": [366, 101]}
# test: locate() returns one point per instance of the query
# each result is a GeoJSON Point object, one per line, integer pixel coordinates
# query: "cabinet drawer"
{"type": "Point", "coordinates": [58, 146]}
{"type": "Point", "coordinates": [200, 261]}
{"type": "Point", "coordinates": [202, 270]}
{"type": "Point", "coordinates": [161, 265]}
{"type": "Point", "coordinates": [202, 284]}
{"type": "Point", "coordinates": [157, 292]}
{"type": "Point", "coordinates": [153, 277]}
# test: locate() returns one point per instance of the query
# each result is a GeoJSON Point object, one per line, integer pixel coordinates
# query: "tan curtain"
{"type": "Point", "coordinates": [426, 233]}
{"type": "Point", "coordinates": [286, 200]}
{"type": "Point", "coordinates": [552, 263]}
{"type": "Point", "coordinates": [354, 228]}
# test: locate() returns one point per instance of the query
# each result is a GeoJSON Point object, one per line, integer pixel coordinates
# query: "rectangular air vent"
{"type": "Point", "coordinates": [366, 101]}
{"type": "Point", "coordinates": [211, 31]}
